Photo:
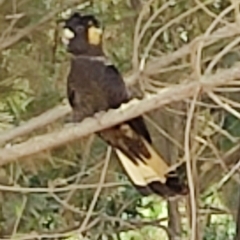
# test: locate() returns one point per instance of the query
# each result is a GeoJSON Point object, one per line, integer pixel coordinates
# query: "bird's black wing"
{"type": "Point", "coordinates": [117, 94]}
{"type": "Point", "coordinates": [146, 169]}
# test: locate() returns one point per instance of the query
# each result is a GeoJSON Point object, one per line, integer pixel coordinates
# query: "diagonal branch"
{"type": "Point", "coordinates": [153, 66]}
{"type": "Point", "coordinates": [113, 117]}
{"type": "Point", "coordinates": [40, 121]}
{"type": "Point", "coordinates": [228, 31]}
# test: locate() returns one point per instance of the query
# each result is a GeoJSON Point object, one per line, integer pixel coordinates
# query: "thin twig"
{"type": "Point", "coordinates": [225, 106]}
{"type": "Point", "coordinates": [136, 38]}
{"type": "Point", "coordinates": [221, 33]}
{"type": "Point", "coordinates": [98, 190]}
{"type": "Point", "coordinates": [40, 121]}
{"type": "Point", "coordinates": [10, 41]}
{"type": "Point", "coordinates": [166, 26]}
{"type": "Point", "coordinates": [223, 52]}
{"type": "Point", "coordinates": [194, 228]}
{"type": "Point", "coordinates": [19, 189]}
{"type": "Point", "coordinates": [207, 34]}
{"type": "Point", "coordinates": [20, 215]}
{"type": "Point", "coordinates": [233, 170]}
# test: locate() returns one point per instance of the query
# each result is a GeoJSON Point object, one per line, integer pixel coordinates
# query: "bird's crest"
{"type": "Point", "coordinates": [87, 23]}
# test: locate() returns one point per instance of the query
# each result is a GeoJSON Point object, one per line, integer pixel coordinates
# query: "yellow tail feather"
{"type": "Point", "coordinates": [146, 170]}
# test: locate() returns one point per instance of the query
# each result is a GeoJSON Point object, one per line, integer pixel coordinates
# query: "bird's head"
{"type": "Point", "coordinates": [82, 34]}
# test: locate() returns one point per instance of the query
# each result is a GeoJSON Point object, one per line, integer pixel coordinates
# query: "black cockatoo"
{"type": "Point", "coordinates": [95, 85]}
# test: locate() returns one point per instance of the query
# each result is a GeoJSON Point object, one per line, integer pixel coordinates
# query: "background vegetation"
{"type": "Point", "coordinates": [156, 44]}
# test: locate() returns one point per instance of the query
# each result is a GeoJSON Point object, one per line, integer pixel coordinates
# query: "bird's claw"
{"type": "Point", "coordinates": [69, 125]}
{"type": "Point", "coordinates": [98, 116]}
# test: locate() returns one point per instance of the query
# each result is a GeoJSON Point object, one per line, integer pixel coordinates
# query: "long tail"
{"type": "Point", "coordinates": [153, 175]}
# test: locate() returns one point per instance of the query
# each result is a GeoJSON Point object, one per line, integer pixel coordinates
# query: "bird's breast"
{"type": "Point", "coordinates": [85, 79]}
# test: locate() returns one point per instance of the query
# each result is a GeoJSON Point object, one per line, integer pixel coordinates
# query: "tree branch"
{"type": "Point", "coordinates": [8, 42]}
{"type": "Point", "coordinates": [113, 117]}
{"type": "Point", "coordinates": [153, 66]}
{"type": "Point", "coordinates": [222, 33]}
{"type": "Point", "coordinates": [40, 121]}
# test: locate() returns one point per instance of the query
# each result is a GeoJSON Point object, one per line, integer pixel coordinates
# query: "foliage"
{"type": "Point", "coordinates": [32, 81]}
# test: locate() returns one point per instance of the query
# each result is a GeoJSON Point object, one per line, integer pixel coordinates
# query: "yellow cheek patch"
{"type": "Point", "coordinates": [94, 35]}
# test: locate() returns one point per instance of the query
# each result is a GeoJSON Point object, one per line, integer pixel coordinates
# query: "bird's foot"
{"type": "Point", "coordinates": [133, 101]}
{"type": "Point", "coordinates": [71, 124]}
{"type": "Point", "coordinates": [98, 116]}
